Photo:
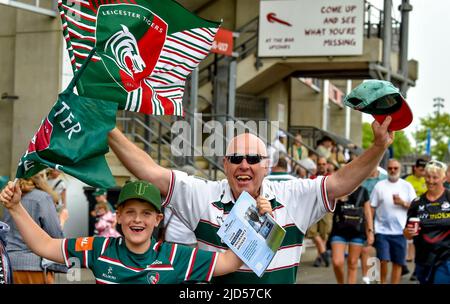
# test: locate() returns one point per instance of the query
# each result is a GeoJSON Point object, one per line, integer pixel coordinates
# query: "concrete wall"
{"type": "Point", "coordinates": [246, 11]}
{"type": "Point", "coordinates": [306, 105]}
{"type": "Point", "coordinates": [7, 46]}
{"type": "Point", "coordinates": [36, 61]}
{"type": "Point", "coordinates": [221, 9]}
{"type": "Point", "coordinates": [278, 102]}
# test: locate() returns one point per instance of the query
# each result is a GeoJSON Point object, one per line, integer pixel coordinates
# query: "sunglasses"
{"type": "Point", "coordinates": [252, 159]}
{"type": "Point", "coordinates": [435, 163]}
{"type": "Point", "coordinates": [393, 168]}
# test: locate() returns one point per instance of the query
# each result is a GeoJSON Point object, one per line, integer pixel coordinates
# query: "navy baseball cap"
{"type": "Point", "coordinates": [381, 98]}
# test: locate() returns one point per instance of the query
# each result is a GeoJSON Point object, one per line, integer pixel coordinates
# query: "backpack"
{"type": "Point", "coordinates": [351, 216]}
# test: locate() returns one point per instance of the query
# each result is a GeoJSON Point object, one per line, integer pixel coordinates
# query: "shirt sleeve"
{"type": "Point", "coordinates": [193, 264]}
{"type": "Point", "coordinates": [83, 251]}
{"type": "Point", "coordinates": [189, 196]}
{"type": "Point", "coordinates": [306, 200]}
{"type": "Point", "coordinates": [412, 193]}
{"type": "Point", "coordinates": [374, 197]}
{"type": "Point", "coordinates": [48, 218]}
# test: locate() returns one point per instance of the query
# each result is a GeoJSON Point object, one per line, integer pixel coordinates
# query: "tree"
{"type": "Point", "coordinates": [401, 145]}
{"type": "Point", "coordinates": [440, 134]}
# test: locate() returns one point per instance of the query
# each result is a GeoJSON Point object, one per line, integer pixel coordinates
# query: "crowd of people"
{"type": "Point", "coordinates": [301, 192]}
{"type": "Point", "coordinates": [373, 219]}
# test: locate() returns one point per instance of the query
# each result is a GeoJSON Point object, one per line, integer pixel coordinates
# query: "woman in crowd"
{"type": "Point", "coordinates": [352, 226]}
{"type": "Point", "coordinates": [432, 234]}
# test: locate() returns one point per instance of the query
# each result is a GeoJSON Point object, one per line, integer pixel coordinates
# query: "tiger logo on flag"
{"type": "Point", "coordinates": [122, 31]}
{"type": "Point", "coordinates": [122, 48]}
{"type": "Point", "coordinates": [144, 50]}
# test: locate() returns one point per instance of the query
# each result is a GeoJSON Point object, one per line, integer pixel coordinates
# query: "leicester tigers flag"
{"type": "Point", "coordinates": [145, 50]}
{"type": "Point", "coordinates": [73, 138]}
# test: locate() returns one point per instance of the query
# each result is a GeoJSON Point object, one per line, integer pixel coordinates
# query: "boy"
{"type": "Point", "coordinates": [134, 258]}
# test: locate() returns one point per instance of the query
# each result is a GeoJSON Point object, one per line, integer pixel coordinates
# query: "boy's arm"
{"type": "Point", "coordinates": [227, 262]}
{"type": "Point", "coordinates": [36, 239]}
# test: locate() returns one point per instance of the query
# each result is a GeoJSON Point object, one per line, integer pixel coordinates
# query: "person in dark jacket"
{"type": "Point", "coordinates": [5, 263]}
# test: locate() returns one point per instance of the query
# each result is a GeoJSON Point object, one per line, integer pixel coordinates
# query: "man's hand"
{"type": "Point", "coordinates": [398, 201]}
{"type": "Point", "coordinates": [263, 206]}
{"type": "Point", "coordinates": [10, 196]}
{"type": "Point", "coordinates": [383, 138]}
{"type": "Point", "coordinates": [410, 232]}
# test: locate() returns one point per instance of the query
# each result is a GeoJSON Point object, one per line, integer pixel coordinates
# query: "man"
{"type": "Point", "coordinates": [203, 205]}
{"type": "Point", "coordinates": [390, 201]}
{"type": "Point", "coordinates": [417, 179]}
{"type": "Point", "coordinates": [324, 146]}
{"type": "Point", "coordinates": [278, 147]}
{"type": "Point", "coordinates": [279, 172]}
{"type": "Point", "coordinates": [322, 167]}
{"type": "Point", "coordinates": [298, 151]}
{"type": "Point", "coordinates": [320, 231]}
{"type": "Point", "coordinates": [310, 163]}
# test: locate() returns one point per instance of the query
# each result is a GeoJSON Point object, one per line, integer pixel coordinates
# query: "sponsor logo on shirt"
{"type": "Point", "coordinates": [153, 277]}
{"type": "Point", "coordinates": [445, 206]}
{"type": "Point", "coordinates": [83, 244]}
{"type": "Point", "coordinates": [109, 275]}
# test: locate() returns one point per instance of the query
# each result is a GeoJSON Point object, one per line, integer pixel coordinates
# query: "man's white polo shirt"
{"type": "Point", "coordinates": [203, 205]}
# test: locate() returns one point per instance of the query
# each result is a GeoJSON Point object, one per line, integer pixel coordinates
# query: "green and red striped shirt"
{"type": "Point", "coordinates": [113, 263]}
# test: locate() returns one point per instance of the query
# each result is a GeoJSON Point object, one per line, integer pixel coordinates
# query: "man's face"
{"type": "Point", "coordinates": [393, 171]}
{"type": "Point", "coordinates": [419, 171]}
{"type": "Point", "coordinates": [245, 176]}
{"type": "Point", "coordinates": [298, 140]}
{"type": "Point", "coordinates": [321, 166]}
{"type": "Point", "coordinates": [138, 220]}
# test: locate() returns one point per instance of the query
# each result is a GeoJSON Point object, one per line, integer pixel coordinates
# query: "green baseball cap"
{"type": "Point", "coordinates": [99, 191]}
{"type": "Point", "coordinates": [381, 98]}
{"type": "Point", "coordinates": [140, 190]}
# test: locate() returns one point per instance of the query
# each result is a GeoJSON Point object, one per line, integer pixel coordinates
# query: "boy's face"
{"type": "Point", "coordinates": [138, 219]}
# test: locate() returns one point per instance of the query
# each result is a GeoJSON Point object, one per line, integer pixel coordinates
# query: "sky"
{"type": "Point", "coordinates": [429, 44]}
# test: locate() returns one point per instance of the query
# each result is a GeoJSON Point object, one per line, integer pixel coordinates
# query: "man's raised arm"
{"type": "Point", "coordinates": [138, 162]}
{"type": "Point", "coordinates": [345, 180]}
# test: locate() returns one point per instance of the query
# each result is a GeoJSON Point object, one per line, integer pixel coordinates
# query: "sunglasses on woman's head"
{"type": "Point", "coordinates": [252, 159]}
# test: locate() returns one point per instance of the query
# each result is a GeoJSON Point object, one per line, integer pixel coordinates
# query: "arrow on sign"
{"type": "Point", "coordinates": [271, 17]}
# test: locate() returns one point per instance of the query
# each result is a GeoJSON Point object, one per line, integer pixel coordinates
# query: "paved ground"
{"type": "Point", "coordinates": [307, 274]}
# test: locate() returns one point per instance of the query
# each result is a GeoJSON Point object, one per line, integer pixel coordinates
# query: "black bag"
{"type": "Point", "coordinates": [351, 216]}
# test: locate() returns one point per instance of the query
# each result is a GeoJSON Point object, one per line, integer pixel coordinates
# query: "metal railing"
{"type": "Point", "coordinates": [159, 133]}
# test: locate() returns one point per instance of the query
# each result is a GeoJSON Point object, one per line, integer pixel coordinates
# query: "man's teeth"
{"type": "Point", "coordinates": [243, 177]}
